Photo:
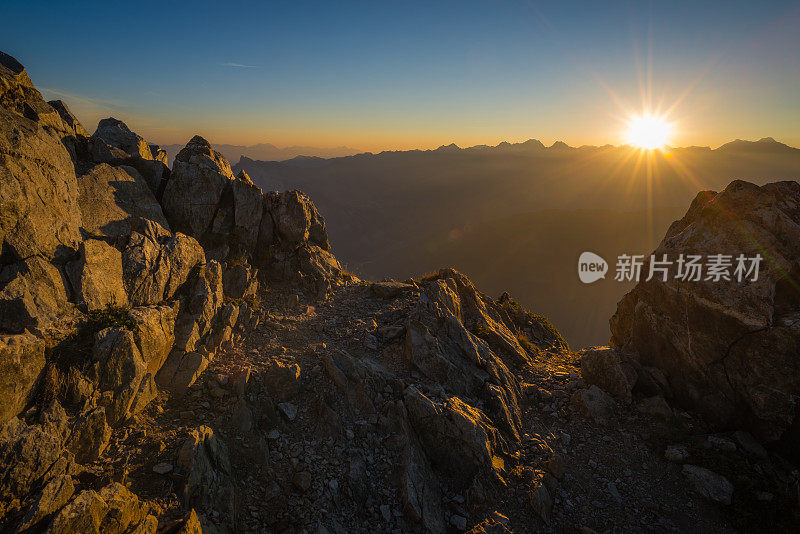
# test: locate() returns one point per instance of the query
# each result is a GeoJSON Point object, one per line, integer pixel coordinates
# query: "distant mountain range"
{"type": "Point", "coordinates": [401, 213]}
{"type": "Point", "coordinates": [269, 152]}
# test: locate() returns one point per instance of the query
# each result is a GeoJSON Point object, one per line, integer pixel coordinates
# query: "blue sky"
{"type": "Point", "coordinates": [376, 75]}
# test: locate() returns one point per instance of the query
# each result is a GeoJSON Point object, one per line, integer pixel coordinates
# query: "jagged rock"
{"type": "Point", "coordinates": [181, 370]}
{"type": "Point", "coordinates": [110, 198]}
{"type": "Point", "coordinates": [728, 349]}
{"type": "Point", "coordinates": [676, 454]}
{"type": "Point", "coordinates": [492, 525]}
{"type": "Point", "coordinates": [159, 154]}
{"type": "Point", "coordinates": [53, 496]}
{"type": "Point", "coordinates": [22, 359]}
{"type": "Point", "coordinates": [67, 116]}
{"type": "Point", "coordinates": [240, 281]}
{"type": "Point", "coordinates": [541, 502]}
{"type": "Point", "coordinates": [119, 370]}
{"type": "Point", "coordinates": [38, 190]}
{"type": "Point", "coordinates": [203, 460]}
{"type": "Point", "coordinates": [749, 444]}
{"type": "Point", "coordinates": [155, 264]}
{"type": "Point", "coordinates": [655, 406]}
{"type": "Point", "coordinates": [714, 487]}
{"type": "Point", "coordinates": [97, 276]}
{"type": "Point", "coordinates": [203, 299]}
{"type": "Point", "coordinates": [390, 290]}
{"type": "Point", "coordinates": [297, 220]}
{"type": "Point", "coordinates": [199, 177]}
{"type": "Point", "coordinates": [112, 510]}
{"type": "Point", "coordinates": [154, 332]}
{"type": "Point", "coordinates": [282, 381]}
{"type": "Point", "coordinates": [116, 134]}
{"type": "Point", "coordinates": [594, 402]}
{"type": "Point", "coordinates": [32, 295]}
{"type": "Point", "coordinates": [90, 437]}
{"type": "Point", "coordinates": [222, 329]}
{"type": "Point", "coordinates": [27, 452]}
{"type": "Point", "coordinates": [248, 205]}
{"type": "Point", "coordinates": [457, 437]}
{"type": "Point", "coordinates": [603, 367]}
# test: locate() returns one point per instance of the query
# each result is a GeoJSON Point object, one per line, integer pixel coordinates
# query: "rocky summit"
{"type": "Point", "coordinates": [181, 352]}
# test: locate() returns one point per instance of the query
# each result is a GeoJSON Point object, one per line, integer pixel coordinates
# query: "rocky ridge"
{"type": "Point", "coordinates": [181, 352]}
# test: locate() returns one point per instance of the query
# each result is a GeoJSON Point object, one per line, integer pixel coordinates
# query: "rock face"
{"type": "Point", "coordinates": [116, 134]}
{"type": "Point", "coordinates": [728, 348]}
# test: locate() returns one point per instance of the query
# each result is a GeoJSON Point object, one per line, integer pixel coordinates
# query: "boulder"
{"type": "Point", "coordinates": [204, 462]}
{"type": "Point", "coordinates": [97, 276]}
{"type": "Point", "coordinates": [727, 347]}
{"type": "Point", "coordinates": [240, 281]}
{"type": "Point", "coordinates": [22, 359]}
{"type": "Point", "coordinates": [53, 496]}
{"type": "Point", "coordinates": [112, 510]}
{"type": "Point", "coordinates": [193, 193]}
{"type": "Point", "coordinates": [38, 192]}
{"type": "Point", "coordinates": [67, 116]}
{"type": "Point", "coordinates": [110, 198]}
{"type": "Point", "coordinates": [28, 451]}
{"type": "Point", "coordinates": [116, 133]}
{"type": "Point", "coordinates": [604, 367]}
{"type": "Point", "coordinates": [119, 369]}
{"type": "Point", "coordinates": [594, 402]}
{"type": "Point", "coordinates": [716, 488]}
{"type": "Point", "coordinates": [33, 295]}
{"type": "Point", "coordinates": [248, 208]}
{"type": "Point", "coordinates": [282, 381]}
{"type": "Point", "coordinates": [297, 220]}
{"type": "Point", "coordinates": [90, 436]}
{"type": "Point", "coordinates": [155, 264]}
{"type": "Point", "coordinates": [154, 332]}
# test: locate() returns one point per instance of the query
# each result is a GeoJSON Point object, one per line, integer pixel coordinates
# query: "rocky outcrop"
{"type": "Point", "coordinates": [727, 347]}
{"type": "Point", "coordinates": [21, 362]}
{"type": "Point", "coordinates": [203, 460]}
{"type": "Point", "coordinates": [115, 134]}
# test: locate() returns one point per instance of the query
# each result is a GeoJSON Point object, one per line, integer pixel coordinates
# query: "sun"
{"type": "Point", "coordinates": [648, 131]}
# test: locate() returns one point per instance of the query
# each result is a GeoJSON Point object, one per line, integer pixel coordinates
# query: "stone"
{"type": "Point", "coordinates": [154, 333]}
{"type": "Point", "coordinates": [655, 406]}
{"type": "Point", "coordinates": [112, 198]}
{"type": "Point", "coordinates": [302, 481]}
{"type": "Point", "coordinates": [156, 264]}
{"type": "Point", "coordinates": [459, 522]}
{"type": "Point", "coordinates": [390, 290]}
{"type": "Point", "coordinates": [53, 496]}
{"type": "Point", "coordinates": [296, 220]}
{"type": "Point", "coordinates": [22, 358]}
{"type": "Point", "coordinates": [248, 207]}
{"type": "Point", "coordinates": [727, 348]}
{"type": "Point", "coordinates": [594, 402]}
{"type": "Point", "coordinates": [121, 370]}
{"type": "Point", "coordinates": [721, 444]}
{"type": "Point", "coordinates": [116, 134]}
{"type": "Point", "coordinates": [676, 454]}
{"type": "Point", "coordinates": [288, 410]}
{"type": "Point", "coordinates": [193, 193]}
{"type": "Point", "coordinates": [282, 380]}
{"type": "Point", "coordinates": [33, 295]}
{"type": "Point", "coordinates": [710, 485]}
{"type": "Point", "coordinates": [240, 281]}
{"type": "Point", "coordinates": [38, 188]}
{"type": "Point", "coordinates": [750, 445]}
{"type": "Point", "coordinates": [67, 116]}
{"type": "Point", "coordinates": [91, 436]}
{"type": "Point", "coordinates": [97, 276]}
{"type": "Point", "coordinates": [204, 462]}
{"type": "Point", "coordinates": [604, 367]}
{"type": "Point", "coordinates": [112, 510]}
{"type": "Point", "coordinates": [28, 451]}
{"type": "Point", "coordinates": [162, 468]}
{"type": "Point", "coordinates": [541, 502]}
